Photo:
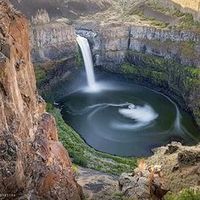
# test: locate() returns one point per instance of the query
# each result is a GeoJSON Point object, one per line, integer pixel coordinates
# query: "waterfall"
{"type": "Point", "coordinates": [87, 56]}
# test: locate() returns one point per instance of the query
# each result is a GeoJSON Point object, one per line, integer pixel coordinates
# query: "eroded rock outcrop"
{"type": "Point", "coordinates": [144, 183]}
{"type": "Point", "coordinates": [172, 168]}
{"type": "Point", "coordinates": [33, 163]}
{"type": "Point", "coordinates": [98, 185]}
{"type": "Point", "coordinates": [180, 165]}
{"type": "Point", "coordinates": [41, 17]}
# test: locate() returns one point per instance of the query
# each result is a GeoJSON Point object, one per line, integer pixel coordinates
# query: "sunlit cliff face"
{"type": "Point", "coordinates": [32, 160]}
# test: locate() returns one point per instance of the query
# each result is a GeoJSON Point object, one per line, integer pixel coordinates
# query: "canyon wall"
{"type": "Point", "coordinates": [112, 42]}
{"type": "Point", "coordinates": [53, 41]}
{"type": "Point", "coordinates": [33, 163]}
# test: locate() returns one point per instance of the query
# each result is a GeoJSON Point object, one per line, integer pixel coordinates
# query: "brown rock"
{"type": "Point", "coordinates": [180, 168]}
{"type": "Point", "coordinates": [33, 163]}
{"type": "Point", "coordinates": [172, 148]}
{"type": "Point", "coordinates": [188, 157]}
{"type": "Point", "coordinates": [146, 183]}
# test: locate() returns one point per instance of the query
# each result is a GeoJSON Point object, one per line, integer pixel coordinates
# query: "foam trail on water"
{"type": "Point", "coordinates": [177, 122]}
{"type": "Point", "coordinates": [126, 126]}
{"type": "Point", "coordinates": [143, 114]}
{"type": "Point", "coordinates": [103, 106]}
{"type": "Point", "coordinates": [98, 106]}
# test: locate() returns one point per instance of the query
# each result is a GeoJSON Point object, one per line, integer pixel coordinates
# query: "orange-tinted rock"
{"type": "Point", "coordinates": [33, 163]}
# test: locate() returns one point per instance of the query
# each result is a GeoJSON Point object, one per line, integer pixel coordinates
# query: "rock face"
{"type": "Point", "coordinates": [172, 168]}
{"type": "Point", "coordinates": [33, 163]}
{"type": "Point", "coordinates": [42, 17]}
{"type": "Point", "coordinates": [53, 41]}
{"type": "Point", "coordinates": [180, 165]}
{"type": "Point", "coordinates": [111, 40]}
{"type": "Point", "coordinates": [145, 183]}
{"type": "Point", "coordinates": [98, 185]}
{"type": "Point", "coordinates": [111, 43]}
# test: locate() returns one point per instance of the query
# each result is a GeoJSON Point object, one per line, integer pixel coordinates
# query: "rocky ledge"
{"type": "Point", "coordinates": [172, 168]}
{"type": "Point", "coordinates": [180, 165]}
{"type": "Point", "coordinates": [33, 163]}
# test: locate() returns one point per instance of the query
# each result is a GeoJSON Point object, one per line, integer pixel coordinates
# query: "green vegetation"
{"type": "Point", "coordinates": [120, 196]}
{"type": "Point", "coordinates": [177, 13]}
{"type": "Point", "coordinates": [140, 72]}
{"type": "Point", "coordinates": [189, 194]}
{"type": "Point", "coordinates": [188, 49]}
{"type": "Point", "coordinates": [165, 10]}
{"type": "Point", "coordinates": [184, 48]}
{"type": "Point", "coordinates": [40, 74]}
{"type": "Point", "coordinates": [157, 7]}
{"type": "Point", "coordinates": [187, 22]}
{"type": "Point", "coordinates": [47, 71]}
{"type": "Point", "coordinates": [75, 168]}
{"type": "Point", "coordinates": [131, 11]}
{"type": "Point", "coordinates": [159, 24]}
{"type": "Point", "coordinates": [152, 20]}
{"type": "Point", "coordinates": [84, 155]}
{"type": "Point", "coordinates": [79, 58]}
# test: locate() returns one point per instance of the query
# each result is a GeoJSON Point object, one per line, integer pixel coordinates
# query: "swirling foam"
{"type": "Point", "coordinates": [144, 114]}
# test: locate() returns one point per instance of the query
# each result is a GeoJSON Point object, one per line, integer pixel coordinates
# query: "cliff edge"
{"type": "Point", "coordinates": [33, 163]}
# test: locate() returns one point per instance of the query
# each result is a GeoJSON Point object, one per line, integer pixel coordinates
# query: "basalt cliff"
{"type": "Point", "coordinates": [33, 163]}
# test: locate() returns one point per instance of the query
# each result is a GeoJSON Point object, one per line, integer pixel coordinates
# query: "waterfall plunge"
{"type": "Point", "coordinates": [87, 56]}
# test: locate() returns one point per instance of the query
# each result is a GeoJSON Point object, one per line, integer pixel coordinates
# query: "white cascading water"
{"type": "Point", "coordinates": [87, 56]}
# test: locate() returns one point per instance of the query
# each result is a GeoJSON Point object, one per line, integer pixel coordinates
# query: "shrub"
{"type": "Point", "coordinates": [188, 194]}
